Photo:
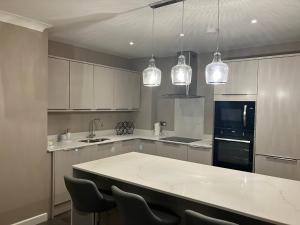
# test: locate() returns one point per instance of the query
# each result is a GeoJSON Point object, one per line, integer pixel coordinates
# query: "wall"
{"type": "Point", "coordinates": [156, 108]}
{"type": "Point", "coordinates": [24, 161]}
{"type": "Point", "coordinates": [163, 108]}
{"type": "Point", "coordinates": [204, 59]}
{"type": "Point", "coordinates": [78, 121]}
{"type": "Point", "coordinates": [82, 54]}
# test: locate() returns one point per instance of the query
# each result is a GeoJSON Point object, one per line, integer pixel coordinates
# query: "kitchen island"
{"type": "Point", "coordinates": [241, 197]}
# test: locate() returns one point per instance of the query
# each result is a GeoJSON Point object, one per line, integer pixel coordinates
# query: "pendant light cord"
{"type": "Point", "coordinates": [182, 24]}
{"type": "Point", "coordinates": [218, 37]}
{"type": "Point", "coordinates": [153, 33]}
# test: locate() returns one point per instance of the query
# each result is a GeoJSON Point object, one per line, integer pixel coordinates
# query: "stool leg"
{"type": "Point", "coordinates": [94, 218]}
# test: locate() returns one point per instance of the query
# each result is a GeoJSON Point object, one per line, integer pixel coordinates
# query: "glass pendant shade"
{"type": "Point", "coordinates": [151, 75]}
{"type": "Point", "coordinates": [181, 74]}
{"type": "Point", "coordinates": [217, 71]}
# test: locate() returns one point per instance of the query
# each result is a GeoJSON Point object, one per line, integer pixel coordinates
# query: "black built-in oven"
{"type": "Point", "coordinates": [234, 135]}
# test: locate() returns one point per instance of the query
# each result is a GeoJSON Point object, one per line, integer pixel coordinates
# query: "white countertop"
{"type": "Point", "coordinates": [266, 198]}
{"type": "Point", "coordinates": [74, 142]}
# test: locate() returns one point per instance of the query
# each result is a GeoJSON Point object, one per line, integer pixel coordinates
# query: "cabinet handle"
{"type": "Point", "coordinates": [232, 140]}
{"type": "Point", "coordinates": [280, 158]}
{"type": "Point", "coordinates": [202, 147]}
{"type": "Point", "coordinates": [245, 116]}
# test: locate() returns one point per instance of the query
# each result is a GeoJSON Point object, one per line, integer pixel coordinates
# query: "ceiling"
{"type": "Point", "coordinates": [109, 25]}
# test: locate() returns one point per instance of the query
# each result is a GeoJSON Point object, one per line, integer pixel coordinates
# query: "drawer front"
{"type": "Point", "coordinates": [170, 150]}
{"type": "Point", "coordinates": [277, 166]}
{"type": "Point", "coordinates": [147, 147]}
{"type": "Point", "coordinates": [200, 155]}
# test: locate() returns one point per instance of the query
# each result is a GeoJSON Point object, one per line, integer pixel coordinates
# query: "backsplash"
{"type": "Point", "coordinates": [79, 121]}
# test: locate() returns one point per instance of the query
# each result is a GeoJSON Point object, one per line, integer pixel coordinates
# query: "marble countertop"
{"type": "Point", "coordinates": [261, 197]}
{"type": "Point", "coordinates": [74, 142]}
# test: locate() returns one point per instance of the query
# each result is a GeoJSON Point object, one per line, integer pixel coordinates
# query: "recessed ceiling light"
{"type": "Point", "coordinates": [181, 34]}
{"type": "Point", "coordinates": [254, 21]}
{"type": "Point", "coordinates": [131, 43]}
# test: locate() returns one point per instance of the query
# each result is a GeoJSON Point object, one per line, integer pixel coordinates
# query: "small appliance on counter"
{"type": "Point", "coordinates": [158, 128]}
{"type": "Point", "coordinates": [234, 135]}
{"type": "Point", "coordinates": [125, 127]}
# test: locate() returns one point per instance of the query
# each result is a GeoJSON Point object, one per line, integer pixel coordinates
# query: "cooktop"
{"type": "Point", "coordinates": [180, 139]}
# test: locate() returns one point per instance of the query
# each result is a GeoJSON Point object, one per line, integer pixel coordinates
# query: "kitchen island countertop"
{"type": "Point", "coordinates": [260, 197]}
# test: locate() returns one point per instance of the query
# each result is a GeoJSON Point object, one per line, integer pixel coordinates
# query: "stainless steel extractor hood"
{"type": "Point", "coordinates": [191, 90]}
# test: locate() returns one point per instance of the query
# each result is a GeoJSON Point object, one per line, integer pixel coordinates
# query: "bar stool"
{"type": "Point", "coordinates": [135, 210]}
{"type": "Point", "coordinates": [87, 198]}
{"type": "Point", "coordinates": [194, 218]}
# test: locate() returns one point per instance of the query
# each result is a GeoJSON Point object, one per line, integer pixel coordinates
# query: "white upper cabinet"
{"type": "Point", "coordinates": [81, 86]}
{"type": "Point", "coordinates": [278, 104]}
{"type": "Point", "coordinates": [242, 79]}
{"type": "Point", "coordinates": [122, 90]}
{"type": "Point", "coordinates": [58, 83]}
{"type": "Point", "coordinates": [103, 87]}
{"type": "Point", "coordinates": [135, 88]}
{"type": "Point", "coordinates": [77, 85]}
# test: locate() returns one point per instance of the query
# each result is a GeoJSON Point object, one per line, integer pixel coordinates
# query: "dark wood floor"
{"type": "Point", "coordinates": [63, 219]}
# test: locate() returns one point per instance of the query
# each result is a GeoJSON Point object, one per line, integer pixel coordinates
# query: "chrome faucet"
{"type": "Point", "coordinates": [92, 126]}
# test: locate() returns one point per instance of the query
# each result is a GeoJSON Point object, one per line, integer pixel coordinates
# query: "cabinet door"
{"type": "Point", "coordinates": [81, 86]}
{"type": "Point", "coordinates": [63, 161]}
{"type": "Point", "coordinates": [171, 150]}
{"type": "Point", "coordinates": [105, 150]}
{"type": "Point", "coordinates": [128, 146]}
{"type": "Point", "coordinates": [135, 90]}
{"type": "Point", "coordinates": [278, 104]}
{"type": "Point", "coordinates": [147, 147]}
{"type": "Point", "coordinates": [242, 78]}
{"type": "Point", "coordinates": [58, 83]}
{"type": "Point", "coordinates": [122, 91]}
{"type": "Point", "coordinates": [200, 155]}
{"type": "Point", "coordinates": [103, 87]}
{"type": "Point", "coordinates": [278, 167]}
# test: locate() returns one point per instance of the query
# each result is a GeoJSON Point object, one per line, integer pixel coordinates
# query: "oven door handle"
{"type": "Point", "coordinates": [232, 140]}
{"type": "Point", "coordinates": [245, 116]}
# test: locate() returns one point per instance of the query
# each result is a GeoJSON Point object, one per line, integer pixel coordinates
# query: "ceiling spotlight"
{"type": "Point", "coordinates": [253, 21]}
{"type": "Point", "coordinates": [131, 43]}
{"type": "Point", "coordinates": [181, 35]}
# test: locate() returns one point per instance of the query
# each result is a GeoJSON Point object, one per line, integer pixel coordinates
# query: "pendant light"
{"type": "Point", "coordinates": [217, 72]}
{"type": "Point", "coordinates": [152, 75]}
{"type": "Point", "coordinates": [181, 74]}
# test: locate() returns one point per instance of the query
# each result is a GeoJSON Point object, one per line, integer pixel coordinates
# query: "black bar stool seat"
{"type": "Point", "coordinates": [86, 197]}
{"type": "Point", "coordinates": [194, 218]}
{"type": "Point", "coordinates": [135, 210]}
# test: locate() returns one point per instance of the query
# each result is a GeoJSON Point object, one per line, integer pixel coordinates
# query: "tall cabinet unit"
{"type": "Point", "coordinates": [277, 120]}
{"type": "Point", "coordinates": [58, 83]}
{"type": "Point", "coordinates": [242, 78]}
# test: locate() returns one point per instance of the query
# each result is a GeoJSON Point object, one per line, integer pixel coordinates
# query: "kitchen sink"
{"type": "Point", "coordinates": [94, 140]}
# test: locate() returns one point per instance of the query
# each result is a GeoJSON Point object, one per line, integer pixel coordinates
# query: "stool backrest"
{"type": "Point", "coordinates": [134, 209]}
{"type": "Point", "coordinates": [194, 218]}
{"type": "Point", "coordinates": [84, 194]}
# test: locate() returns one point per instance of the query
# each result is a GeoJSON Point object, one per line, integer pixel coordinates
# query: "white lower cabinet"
{"type": "Point", "coordinates": [172, 150]}
{"type": "Point", "coordinates": [147, 147]}
{"type": "Point", "coordinates": [63, 161]}
{"type": "Point", "coordinates": [277, 166]}
{"type": "Point", "coordinates": [200, 155]}
{"type": "Point", "coordinates": [128, 146]}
